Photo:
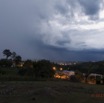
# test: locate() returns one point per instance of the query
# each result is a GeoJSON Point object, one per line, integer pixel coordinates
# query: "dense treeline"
{"type": "Point", "coordinates": [89, 67]}
{"type": "Point", "coordinates": [37, 69]}
{"type": "Point", "coordinates": [28, 68]}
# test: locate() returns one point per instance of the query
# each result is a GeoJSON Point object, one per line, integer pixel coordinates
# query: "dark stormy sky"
{"type": "Point", "coordinates": [65, 30]}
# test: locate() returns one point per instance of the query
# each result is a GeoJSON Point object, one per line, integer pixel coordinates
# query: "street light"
{"type": "Point", "coordinates": [54, 68]}
{"type": "Point", "coordinates": [61, 69]}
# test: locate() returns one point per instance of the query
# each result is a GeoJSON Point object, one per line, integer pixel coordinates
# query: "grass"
{"type": "Point", "coordinates": [50, 92]}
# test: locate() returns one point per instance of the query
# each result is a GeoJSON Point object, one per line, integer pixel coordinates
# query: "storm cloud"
{"type": "Point", "coordinates": [53, 29]}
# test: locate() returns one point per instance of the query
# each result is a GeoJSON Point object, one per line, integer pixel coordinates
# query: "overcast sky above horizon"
{"type": "Point", "coordinates": [65, 30]}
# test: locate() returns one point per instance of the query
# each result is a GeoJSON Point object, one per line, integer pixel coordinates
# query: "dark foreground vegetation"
{"type": "Point", "coordinates": [50, 92]}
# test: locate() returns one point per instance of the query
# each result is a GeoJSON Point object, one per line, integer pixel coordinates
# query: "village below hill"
{"type": "Point", "coordinates": [12, 67]}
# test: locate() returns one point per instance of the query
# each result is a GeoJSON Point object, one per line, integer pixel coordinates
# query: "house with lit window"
{"type": "Point", "coordinates": [65, 74]}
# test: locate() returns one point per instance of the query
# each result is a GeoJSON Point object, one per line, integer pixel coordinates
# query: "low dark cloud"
{"type": "Point", "coordinates": [91, 7]}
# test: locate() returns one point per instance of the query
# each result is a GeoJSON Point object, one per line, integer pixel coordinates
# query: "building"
{"type": "Point", "coordinates": [65, 74]}
{"type": "Point", "coordinates": [94, 78]}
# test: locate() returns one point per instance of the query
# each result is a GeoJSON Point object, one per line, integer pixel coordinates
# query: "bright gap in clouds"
{"type": "Point", "coordinates": [76, 32]}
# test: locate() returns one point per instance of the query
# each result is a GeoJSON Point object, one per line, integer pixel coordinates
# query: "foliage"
{"type": "Point", "coordinates": [43, 69]}
{"type": "Point", "coordinates": [17, 60]}
{"type": "Point", "coordinates": [5, 63]}
{"type": "Point", "coordinates": [7, 53]}
{"type": "Point", "coordinates": [39, 69]}
{"type": "Point", "coordinates": [74, 79]}
{"type": "Point", "coordinates": [13, 55]}
{"type": "Point", "coordinates": [89, 67]}
{"type": "Point", "coordinates": [28, 64]}
{"type": "Point", "coordinates": [79, 75]}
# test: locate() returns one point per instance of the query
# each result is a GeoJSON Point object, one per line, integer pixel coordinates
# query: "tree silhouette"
{"type": "Point", "coordinates": [13, 55]}
{"type": "Point", "coordinates": [28, 64]}
{"type": "Point", "coordinates": [5, 63]}
{"type": "Point", "coordinates": [18, 59]}
{"type": "Point", "coordinates": [43, 68]}
{"type": "Point", "coordinates": [7, 53]}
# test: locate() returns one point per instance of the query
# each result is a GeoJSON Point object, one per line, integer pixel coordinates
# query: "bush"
{"type": "Point", "coordinates": [74, 79]}
{"type": "Point", "coordinates": [5, 63]}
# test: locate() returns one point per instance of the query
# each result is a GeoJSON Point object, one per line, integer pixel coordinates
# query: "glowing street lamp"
{"type": "Point", "coordinates": [54, 68]}
{"type": "Point", "coordinates": [61, 69]}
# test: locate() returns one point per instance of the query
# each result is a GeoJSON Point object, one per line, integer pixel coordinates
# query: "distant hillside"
{"type": "Point", "coordinates": [89, 67]}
